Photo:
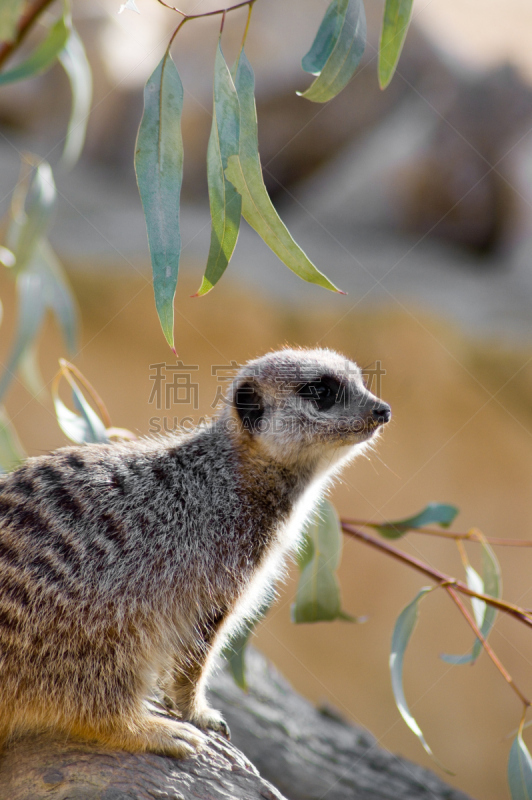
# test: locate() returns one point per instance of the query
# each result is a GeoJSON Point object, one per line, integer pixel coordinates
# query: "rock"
{"type": "Point", "coordinates": [306, 753]}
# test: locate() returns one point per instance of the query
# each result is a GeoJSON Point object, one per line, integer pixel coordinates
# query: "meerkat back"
{"type": "Point", "coordinates": [124, 567]}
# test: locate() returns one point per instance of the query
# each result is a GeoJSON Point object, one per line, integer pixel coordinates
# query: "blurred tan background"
{"type": "Point", "coordinates": [417, 202]}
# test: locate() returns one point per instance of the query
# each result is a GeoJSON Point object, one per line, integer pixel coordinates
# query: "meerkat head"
{"type": "Point", "coordinates": [300, 406]}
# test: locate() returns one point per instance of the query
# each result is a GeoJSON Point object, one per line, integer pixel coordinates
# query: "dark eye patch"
{"type": "Point", "coordinates": [323, 392]}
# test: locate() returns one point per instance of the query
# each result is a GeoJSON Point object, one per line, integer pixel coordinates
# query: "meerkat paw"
{"type": "Point", "coordinates": [167, 737]}
{"type": "Point", "coordinates": [212, 720]}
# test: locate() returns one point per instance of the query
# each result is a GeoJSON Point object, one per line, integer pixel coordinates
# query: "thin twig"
{"type": "Point", "coordinates": [508, 608]}
{"type": "Point", "coordinates": [25, 24]}
{"type": "Point", "coordinates": [451, 591]}
{"type": "Point", "coordinates": [207, 13]}
{"type": "Point", "coordinates": [470, 536]}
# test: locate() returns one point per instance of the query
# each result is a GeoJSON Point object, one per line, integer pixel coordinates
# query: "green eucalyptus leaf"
{"type": "Point", "coordinates": [234, 651]}
{"type": "Point", "coordinates": [159, 168]}
{"type": "Point", "coordinates": [225, 201]}
{"type": "Point", "coordinates": [244, 172]}
{"type": "Point", "coordinates": [520, 770]}
{"type": "Point", "coordinates": [74, 61]}
{"type": "Point", "coordinates": [484, 614]}
{"type": "Point", "coordinates": [94, 427]}
{"type": "Point", "coordinates": [395, 23]}
{"type": "Point", "coordinates": [31, 308]}
{"type": "Point", "coordinates": [42, 57]}
{"type": "Point", "coordinates": [403, 630]}
{"type": "Point", "coordinates": [40, 285]}
{"type": "Point", "coordinates": [434, 514]}
{"type": "Point", "coordinates": [72, 425]}
{"type": "Point", "coordinates": [337, 50]}
{"type": "Point", "coordinates": [10, 11]}
{"type": "Point", "coordinates": [29, 371]}
{"type": "Point", "coordinates": [58, 294]}
{"type": "Point", "coordinates": [325, 39]}
{"type": "Point", "coordinates": [318, 591]}
{"type": "Point", "coordinates": [11, 451]}
{"type": "Point", "coordinates": [82, 428]}
{"type": "Point", "coordinates": [31, 223]}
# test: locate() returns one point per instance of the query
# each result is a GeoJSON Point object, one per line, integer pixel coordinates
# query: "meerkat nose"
{"type": "Point", "coordinates": [382, 413]}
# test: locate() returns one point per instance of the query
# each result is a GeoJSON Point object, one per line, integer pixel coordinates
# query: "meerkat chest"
{"type": "Point", "coordinates": [283, 541]}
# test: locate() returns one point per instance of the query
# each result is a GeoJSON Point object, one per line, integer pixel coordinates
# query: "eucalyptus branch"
{"type": "Point", "coordinates": [207, 13]}
{"type": "Point", "coordinates": [25, 24]}
{"type": "Point", "coordinates": [522, 614]}
{"type": "Point", "coordinates": [451, 591]}
{"type": "Point", "coordinates": [471, 536]}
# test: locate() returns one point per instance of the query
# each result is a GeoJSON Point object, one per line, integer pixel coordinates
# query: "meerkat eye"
{"type": "Point", "coordinates": [323, 392]}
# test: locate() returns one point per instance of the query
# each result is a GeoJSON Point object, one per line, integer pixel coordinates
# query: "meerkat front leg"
{"type": "Point", "coordinates": [187, 689]}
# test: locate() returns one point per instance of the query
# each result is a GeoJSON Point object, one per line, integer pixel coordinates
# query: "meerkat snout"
{"type": "Point", "coordinates": [125, 567]}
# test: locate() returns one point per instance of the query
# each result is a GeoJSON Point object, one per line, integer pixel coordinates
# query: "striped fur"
{"type": "Point", "coordinates": [125, 566]}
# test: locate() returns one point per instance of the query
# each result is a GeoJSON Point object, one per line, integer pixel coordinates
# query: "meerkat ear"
{"type": "Point", "coordinates": [249, 405]}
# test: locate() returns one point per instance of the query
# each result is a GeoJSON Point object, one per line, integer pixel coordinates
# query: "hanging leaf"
{"type": "Point", "coordinates": [31, 215]}
{"type": "Point", "coordinates": [244, 172]}
{"type": "Point", "coordinates": [159, 168]}
{"type": "Point", "coordinates": [29, 371]}
{"type": "Point", "coordinates": [58, 295]}
{"type": "Point", "coordinates": [30, 315]}
{"type": "Point", "coordinates": [336, 51]}
{"type": "Point", "coordinates": [402, 632]}
{"type": "Point", "coordinates": [42, 57]}
{"type": "Point", "coordinates": [434, 514]}
{"type": "Point", "coordinates": [225, 202]}
{"type": "Point", "coordinates": [318, 591]}
{"type": "Point", "coordinates": [520, 770]}
{"type": "Point", "coordinates": [85, 427]}
{"type": "Point", "coordinates": [484, 614]}
{"type": "Point", "coordinates": [234, 651]}
{"type": "Point", "coordinates": [325, 39]}
{"type": "Point", "coordinates": [11, 451]}
{"type": "Point", "coordinates": [395, 23]}
{"type": "Point", "coordinates": [74, 61]}
{"type": "Point", "coordinates": [10, 12]}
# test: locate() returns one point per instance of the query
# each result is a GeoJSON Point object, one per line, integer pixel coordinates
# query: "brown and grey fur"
{"type": "Point", "coordinates": [125, 566]}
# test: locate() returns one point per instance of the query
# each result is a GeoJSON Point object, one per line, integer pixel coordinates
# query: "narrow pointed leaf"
{"type": "Point", "coordinates": [225, 201]}
{"type": "Point", "coordinates": [485, 615]}
{"type": "Point", "coordinates": [395, 23]}
{"type": "Point", "coordinates": [159, 168]}
{"type": "Point", "coordinates": [81, 428]}
{"type": "Point", "coordinates": [40, 286]}
{"type": "Point", "coordinates": [11, 451]}
{"type": "Point", "coordinates": [74, 61]}
{"type": "Point", "coordinates": [10, 12]}
{"type": "Point", "coordinates": [58, 295]}
{"type": "Point", "coordinates": [244, 172]}
{"type": "Point", "coordinates": [234, 651]}
{"type": "Point", "coordinates": [318, 591]}
{"type": "Point", "coordinates": [434, 514]}
{"type": "Point", "coordinates": [325, 39]}
{"type": "Point", "coordinates": [94, 427]}
{"type": "Point", "coordinates": [31, 225]}
{"type": "Point", "coordinates": [403, 630]}
{"type": "Point", "coordinates": [29, 371]}
{"type": "Point", "coordinates": [520, 770]}
{"type": "Point", "coordinates": [42, 57]}
{"type": "Point", "coordinates": [337, 50]}
{"type": "Point", "coordinates": [476, 584]}
{"type": "Point", "coordinates": [30, 315]}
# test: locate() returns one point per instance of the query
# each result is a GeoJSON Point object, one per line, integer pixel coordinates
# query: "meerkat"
{"type": "Point", "coordinates": [125, 567]}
